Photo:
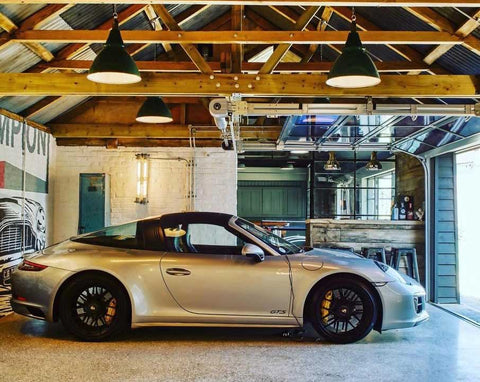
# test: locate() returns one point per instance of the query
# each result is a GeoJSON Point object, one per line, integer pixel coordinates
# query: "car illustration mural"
{"type": "Point", "coordinates": [211, 269]}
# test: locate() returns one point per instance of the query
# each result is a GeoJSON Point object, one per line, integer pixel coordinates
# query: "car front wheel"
{"type": "Point", "coordinates": [94, 307]}
{"type": "Point", "coordinates": [343, 310]}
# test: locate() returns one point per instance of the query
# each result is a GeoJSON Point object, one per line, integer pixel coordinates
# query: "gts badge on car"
{"type": "Point", "coordinates": [278, 311]}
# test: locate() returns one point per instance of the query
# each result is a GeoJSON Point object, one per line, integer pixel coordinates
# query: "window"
{"type": "Point", "coordinates": [202, 238]}
{"type": "Point", "coordinates": [121, 236]}
{"type": "Point", "coordinates": [353, 192]}
{"type": "Point", "coordinates": [376, 198]}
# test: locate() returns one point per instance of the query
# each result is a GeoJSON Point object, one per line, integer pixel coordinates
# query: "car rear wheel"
{"type": "Point", "coordinates": [94, 307]}
{"type": "Point", "coordinates": [343, 310]}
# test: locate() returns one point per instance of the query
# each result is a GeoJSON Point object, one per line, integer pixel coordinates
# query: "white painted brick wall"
{"type": "Point", "coordinates": [215, 178]}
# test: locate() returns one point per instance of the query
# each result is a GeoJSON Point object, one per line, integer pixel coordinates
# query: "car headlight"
{"type": "Point", "coordinates": [391, 272]}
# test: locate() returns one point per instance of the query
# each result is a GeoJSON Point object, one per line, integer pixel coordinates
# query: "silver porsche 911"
{"type": "Point", "coordinates": [200, 269]}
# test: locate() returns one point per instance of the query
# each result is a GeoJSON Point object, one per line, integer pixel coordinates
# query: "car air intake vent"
{"type": "Point", "coordinates": [11, 238]}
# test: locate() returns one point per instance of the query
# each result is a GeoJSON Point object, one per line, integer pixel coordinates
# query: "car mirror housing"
{"type": "Point", "coordinates": [253, 251]}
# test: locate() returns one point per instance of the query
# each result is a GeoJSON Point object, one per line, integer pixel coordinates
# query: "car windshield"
{"type": "Point", "coordinates": [280, 245]}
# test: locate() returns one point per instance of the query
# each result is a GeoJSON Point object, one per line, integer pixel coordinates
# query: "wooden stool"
{"type": "Point", "coordinates": [409, 255]}
{"type": "Point", "coordinates": [375, 253]}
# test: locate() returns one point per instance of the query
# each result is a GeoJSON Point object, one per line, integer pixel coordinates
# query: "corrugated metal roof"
{"type": "Point", "coordinates": [18, 104]}
{"type": "Point", "coordinates": [19, 12]}
{"type": "Point", "coordinates": [58, 107]}
{"type": "Point", "coordinates": [378, 52]}
{"type": "Point", "coordinates": [393, 18]}
{"type": "Point", "coordinates": [460, 60]}
{"type": "Point", "coordinates": [206, 17]}
{"type": "Point", "coordinates": [89, 16]}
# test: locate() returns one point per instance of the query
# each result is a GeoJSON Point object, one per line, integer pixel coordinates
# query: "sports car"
{"type": "Point", "coordinates": [210, 269]}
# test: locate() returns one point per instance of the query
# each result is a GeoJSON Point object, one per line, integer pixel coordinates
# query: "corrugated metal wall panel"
{"type": "Point", "coordinates": [444, 230]}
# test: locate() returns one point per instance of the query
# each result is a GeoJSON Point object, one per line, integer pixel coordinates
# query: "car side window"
{"type": "Point", "coordinates": [203, 238]}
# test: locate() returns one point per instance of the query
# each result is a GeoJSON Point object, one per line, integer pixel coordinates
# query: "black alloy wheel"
{"type": "Point", "coordinates": [343, 310]}
{"type": "Point", "coordinates": [94, 308]}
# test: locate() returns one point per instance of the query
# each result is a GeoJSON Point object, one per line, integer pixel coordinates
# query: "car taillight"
{"type": "Point", "coordinates": [31, 267]}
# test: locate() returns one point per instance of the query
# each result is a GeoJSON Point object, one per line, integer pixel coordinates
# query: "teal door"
{"type": "Point", "coordinates": [92, 202]}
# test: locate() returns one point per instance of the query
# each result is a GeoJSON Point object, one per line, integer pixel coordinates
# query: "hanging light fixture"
{"type": "Point", "coordinates": [353, 68]}
{"type": "Point", "coordinates": [374, 164]}
{"type": "Point", "coordinates": [154, 110]}
{"type": "Point", "coordinates": [332, 163]}
{"type": "Point", "coordinates": [113, 65]}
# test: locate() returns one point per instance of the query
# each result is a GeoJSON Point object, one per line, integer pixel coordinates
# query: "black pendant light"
{"type": "Point", "coordinates": [113, 65]}
{"type": "Point", "coordinates": [374, 164]}
{"type": "Point", "coordinates": [332, 163]}
{"type": "Point", "coordinates": [154, 110]}
{"type": "Point", "coordinates": [353, 68]}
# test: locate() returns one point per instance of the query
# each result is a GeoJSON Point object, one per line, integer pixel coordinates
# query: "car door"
{"type": "Point", "coordinates": [219, 280]}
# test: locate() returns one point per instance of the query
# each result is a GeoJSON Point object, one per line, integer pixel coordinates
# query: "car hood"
{"type": "Point", "coordinates": [333, 253]}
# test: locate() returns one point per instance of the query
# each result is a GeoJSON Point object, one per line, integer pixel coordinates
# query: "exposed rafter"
{"type": "Point", "coordinates": [190, 49]}
{"type": "Point", "coordinates": [282, 67]}
{"type": "Point", "coordinates": [246, 84]}
{"type": "Point", "coordinates": [172, 131]}
{"type": "Point", "coordinates": [443, 25]}
{"type": "Point", "coordinates": [283, 48]}
{"type": "Point", "coordinates": [362, 3]}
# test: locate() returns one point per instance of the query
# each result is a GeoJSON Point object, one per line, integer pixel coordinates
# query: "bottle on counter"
{"type": "Point", "coordinates": [402, 215]}
{"type": "Point", "coordinates": [395, 211]}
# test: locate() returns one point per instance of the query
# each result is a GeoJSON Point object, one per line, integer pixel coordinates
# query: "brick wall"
{"type": "Point", "coordinates": [215, 180]}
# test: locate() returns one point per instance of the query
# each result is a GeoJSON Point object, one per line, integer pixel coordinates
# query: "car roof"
{"type": "Point", "coordinates": [194, 217]}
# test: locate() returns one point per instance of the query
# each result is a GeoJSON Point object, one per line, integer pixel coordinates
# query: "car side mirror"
{"type": "Point", "coordinates": [253, 251]}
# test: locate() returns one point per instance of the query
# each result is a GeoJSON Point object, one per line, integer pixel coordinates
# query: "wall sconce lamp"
{"type": "Point", "coordinates": [142, 178]}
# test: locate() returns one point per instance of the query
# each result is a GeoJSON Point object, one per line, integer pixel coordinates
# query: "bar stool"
{"type": "Point", "coordinates": [375, 253]}
{"type": "Point", "coordinates": [408, 258]}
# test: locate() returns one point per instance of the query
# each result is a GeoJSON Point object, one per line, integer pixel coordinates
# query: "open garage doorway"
{"type": "Point", "coordinates": [468, 214]}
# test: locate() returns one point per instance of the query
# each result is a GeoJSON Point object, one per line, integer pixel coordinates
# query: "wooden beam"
{"type": "Point", "coordinates": [254, 67]}
{"type": "Point", "coordinates": [282, 49]}
{"type": "Point", "coordinates": [349, 3]}
{"type": "Point", "coordinates": [10, 27]}
{"type": "Point", "coordinates": [237, 50]}
{"type": "Point", "coordinates": [239, 37]}
{"type": "Point", "coordinates": [29, 122]}
{"type": "Point", "coordinates": [322, 26]}
{"type": "Point", "coordinates": [189, 48]}
{"type": "Point", "coordinates": [170, 131]}
{"type": "Point", "coordinates": [6, 24]}
{"type": "Point", "coordinates": [157, 25]}
{"type": "Point", "coordinates": [26, 84]}
{"type": "Point", "coordinates": [137, 142]}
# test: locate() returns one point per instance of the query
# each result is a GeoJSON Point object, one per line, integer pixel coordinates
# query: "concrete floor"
{"type": "Point", "coordinates": [442, 349]}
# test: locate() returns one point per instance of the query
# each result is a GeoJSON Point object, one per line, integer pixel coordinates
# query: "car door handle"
{"type": "Point", "coordinates": [178, 272]}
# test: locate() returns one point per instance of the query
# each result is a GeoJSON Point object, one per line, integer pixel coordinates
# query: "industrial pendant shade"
{"type": "Point", "coordinates": [374, 164]}
{"type": "Point", "coordinates": [154, 110]}
{"type": "Point", "coordinates": [113, 65]}
{"type": "Point", "coordinates": [332, 163]}
{"type": "Point", "coordinates": [353, 68]}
